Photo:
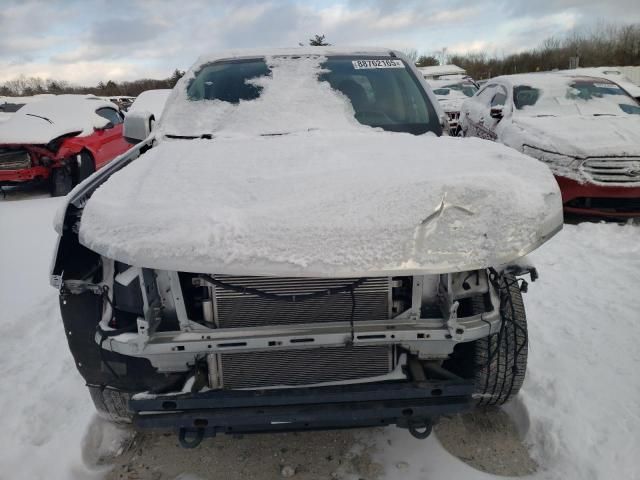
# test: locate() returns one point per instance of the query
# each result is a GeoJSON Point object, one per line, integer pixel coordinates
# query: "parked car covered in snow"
{"type": "Point", "coordinates": [451, 91]}
{"type": "Point", "coordinates": [60, 140]}
{"type": "Point", "coordinates": [151, 101]}
{"type": "Point", "coordinates": [251, 267]}
{"type": "Point", "coordinates": [587, 130]}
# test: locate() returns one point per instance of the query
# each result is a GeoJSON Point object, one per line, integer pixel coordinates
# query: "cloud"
{"type": "Point", "coordinates": [123, 31]}
{"type": "Point", "coordinates": [85, 42]}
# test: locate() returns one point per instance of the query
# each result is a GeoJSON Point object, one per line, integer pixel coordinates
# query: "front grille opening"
{"type": "Point", "coordinates": [614, 205]}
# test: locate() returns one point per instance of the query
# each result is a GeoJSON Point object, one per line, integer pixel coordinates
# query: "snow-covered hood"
{"type": "Point", "coordinates": [39, 123]}
{"type": "Point", "coordinates": [452, 102]}
{"type": "Point", "coordinates": [324, 204]}
{"type": "Point", "coordinates": [582, 136]}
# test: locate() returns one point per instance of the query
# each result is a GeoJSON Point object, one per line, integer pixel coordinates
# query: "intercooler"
{"type": "Point", "coordinates": [14, 159]}
{"type": "Point", "coordinates": [301, 366]}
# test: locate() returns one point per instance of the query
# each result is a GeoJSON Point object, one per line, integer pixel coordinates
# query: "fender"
{"type": "Point", "coordinates": [70, 212]}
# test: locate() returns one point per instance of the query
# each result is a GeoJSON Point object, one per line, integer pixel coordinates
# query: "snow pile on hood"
{"type": "Point", "coordinates": [47, 119]}
{"type": "Point", "coordinates": [292, 99]}
{"type": "Point", "coordinates": [324, 204]}
{"type": "Point", "coordinates": [151, 101]}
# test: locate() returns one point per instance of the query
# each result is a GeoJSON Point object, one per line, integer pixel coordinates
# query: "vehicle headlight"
{"type": "Point", "coordinates": [551, 158]}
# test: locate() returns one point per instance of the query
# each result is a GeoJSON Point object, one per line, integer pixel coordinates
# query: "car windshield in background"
{"type": "Point", "coordinates": [385, 94]}
{"type": "Point", "coordinates": [583, 96]}
{"type": "Point", "coordinates": [383, 91]}
{"type": "Point", "coordinates": [468, 89]}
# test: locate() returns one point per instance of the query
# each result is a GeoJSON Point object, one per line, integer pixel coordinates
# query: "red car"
{"type": "Point", "coordinates": [61, 140]}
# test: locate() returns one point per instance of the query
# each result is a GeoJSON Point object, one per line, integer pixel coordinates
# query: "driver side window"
{"type": "Point", "coordinates": [500, 98]}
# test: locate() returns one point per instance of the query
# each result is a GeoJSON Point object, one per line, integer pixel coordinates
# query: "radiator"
{"type": "Point", "coordinates": [14, 159]}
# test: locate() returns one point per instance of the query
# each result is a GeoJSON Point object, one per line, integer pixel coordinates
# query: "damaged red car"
{"type": "Point", "coordinates": [59, 141]}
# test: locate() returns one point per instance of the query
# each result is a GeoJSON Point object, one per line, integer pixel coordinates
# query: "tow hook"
{"type": "Point", "coordinates": [420, 434]}
{"type": "Point", "coordinates": [190, 437]}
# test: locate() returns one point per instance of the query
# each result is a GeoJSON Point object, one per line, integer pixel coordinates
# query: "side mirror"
{"type": "Point", "coordinates": [137, 126]}
{"type": "Point", "coordinates": [496, 112]}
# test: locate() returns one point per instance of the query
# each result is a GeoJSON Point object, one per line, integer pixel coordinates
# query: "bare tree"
{"type": "Point", "coordinates": [318, 41]}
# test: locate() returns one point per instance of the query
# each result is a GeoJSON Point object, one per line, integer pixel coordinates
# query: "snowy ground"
{"type": "Point", "coordinates": [580, 408]}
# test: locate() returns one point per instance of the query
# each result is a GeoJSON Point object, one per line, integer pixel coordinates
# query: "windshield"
{"type": "Point", "coordinates": [389, 97]}
{"type": "Point", "coordinates": [591, 96]}
{"type": "Point", "coordinates": [282, 94]}
{"type": "Point", "coordinates": [466, 88]}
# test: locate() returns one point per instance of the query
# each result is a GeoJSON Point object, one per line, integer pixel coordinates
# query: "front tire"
{"type": "Point", "coordinates": [60, 182]}
{"type": "Point", "coordinates": [86, 166]}
{"type": "Point", "coordinates": [501, 359]}
{"type": "Point", "coordinates": [497, 363]}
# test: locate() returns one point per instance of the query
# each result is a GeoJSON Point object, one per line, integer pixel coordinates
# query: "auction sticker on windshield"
{"type": "Point", "coordinates": [362, 64]}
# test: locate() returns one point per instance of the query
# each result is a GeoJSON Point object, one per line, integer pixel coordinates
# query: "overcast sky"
{"type": "Point", "coordinates": [88, 41]}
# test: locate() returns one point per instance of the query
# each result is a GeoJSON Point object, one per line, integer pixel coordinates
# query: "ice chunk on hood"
{"type": "Point", "coordinates": [321, 204]}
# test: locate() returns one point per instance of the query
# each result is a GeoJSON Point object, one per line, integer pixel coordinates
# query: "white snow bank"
{"type": "Point", "coordinates": [65, 113]}
{"type": "Point", "coordinates": [321, 204]}
{"type": "Point", "coordinates": [582, 389]}
{"type": "Point", "coordinates": [44, 405]}
{"type": "Point", "coordinates": [151, 101]}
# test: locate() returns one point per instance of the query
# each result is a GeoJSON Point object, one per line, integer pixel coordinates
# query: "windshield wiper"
{"type": "Point", "coordinates": [605, 115]}
{"type": "Point", "coordinates": [545, 115]}
{"type": "Point", "coordinates": [206, 136]}
{"type": "Point", "coordinates": [38, 116]}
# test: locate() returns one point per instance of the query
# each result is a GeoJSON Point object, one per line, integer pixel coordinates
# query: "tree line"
{"type": "Point", "coordinates": [604, 45]}
{"type": "Point", "coordinates": [27, 86]}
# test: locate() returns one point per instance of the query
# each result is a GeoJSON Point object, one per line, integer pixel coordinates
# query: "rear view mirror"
{"type": "Point", "coordinates": [496, 112]}
{"type": "Point", "coordinates": [137, 126]}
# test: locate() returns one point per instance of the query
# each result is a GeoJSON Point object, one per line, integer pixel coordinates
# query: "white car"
{"type": "Point", "coordinates": [451, 91]}
{"type": "Point", "coordinates": [296, 246]}
{"type": "Point", "coordinates": [586, 129]}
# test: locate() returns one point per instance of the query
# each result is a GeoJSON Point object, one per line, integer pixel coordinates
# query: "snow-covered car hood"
{"type": "Point", "coordinates": [579, 135]}
{"type": "Point", "coordinates": [324, 204]}
{"type": "Point", "coordinates": [66, 114]}
{"type": "Point", "coordinates": [452, 102]}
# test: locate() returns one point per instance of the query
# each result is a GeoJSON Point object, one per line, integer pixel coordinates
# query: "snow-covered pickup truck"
{"type": "Point", "coordinates": [295, 246]}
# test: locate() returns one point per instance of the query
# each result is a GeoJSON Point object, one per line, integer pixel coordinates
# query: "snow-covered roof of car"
{"type": "Point", "coordinates": [45, 120]}
{"type": "Point", "coordinates": [437, 70]}
{"type": "Point", "coordinates": [543, 78]}
{"type": "Point", "coordinates": [305, 50]}
{"type": "Point", "coordinates": [151, 101]}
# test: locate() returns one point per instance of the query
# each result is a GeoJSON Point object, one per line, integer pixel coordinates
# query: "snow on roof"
{"type": "Point", "coordinates": [304, 50]}
{"type": "Point", "coordinates": [42, 121]}
{"type": "Point", "coordinates": [437, 70]}
{"type": "Point", "coordinates": [324, 204]}
{"type": "Point", "coordinates": [151, 101]}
